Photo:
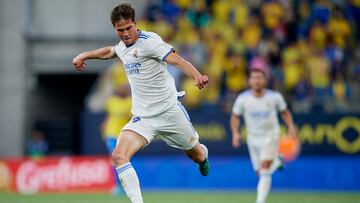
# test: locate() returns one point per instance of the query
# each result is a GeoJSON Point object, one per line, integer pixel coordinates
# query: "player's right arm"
{"type": "Point", "coordinates": [234, 125]}
{"type": "Point", "coordinates": [103, 53]}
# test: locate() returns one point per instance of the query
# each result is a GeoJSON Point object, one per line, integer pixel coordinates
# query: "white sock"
{"type": "Point", "coordinates": [275, 165]}
{"type": "Point", "coordinates": [264, 185]}
{"type": "Point", "coordinates": [130, 182]}
{"type": "Point", "coordinates": [205, 150]}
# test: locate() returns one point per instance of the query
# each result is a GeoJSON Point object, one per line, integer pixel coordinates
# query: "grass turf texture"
{"type": "Point", "coordinates": [187, 197]}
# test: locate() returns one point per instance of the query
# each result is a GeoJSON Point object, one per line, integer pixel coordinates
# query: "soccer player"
{"type": "Point", "coordinates": [155, 106]}
{"type": "Point", "coordinates": [259, 106]}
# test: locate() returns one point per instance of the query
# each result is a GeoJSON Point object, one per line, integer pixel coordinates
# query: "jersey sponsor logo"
{"type": "Point", "coordinates": [136, 119]}
{"type": "Point", "coordinates": [132, 68]}
{"type": "Point", "coordinates": [260, 114]}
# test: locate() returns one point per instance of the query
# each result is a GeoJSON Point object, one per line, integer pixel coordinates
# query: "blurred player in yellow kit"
{"type": "Point", "coordinates": [118, 110]}
{"type": "Point", "coordinates": [118, 113]}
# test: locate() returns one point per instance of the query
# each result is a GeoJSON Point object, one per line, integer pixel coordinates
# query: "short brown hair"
{"type": "Point", "coordinates": [258, 70]}
{"type": "Point", "coordinates": [122, 11]}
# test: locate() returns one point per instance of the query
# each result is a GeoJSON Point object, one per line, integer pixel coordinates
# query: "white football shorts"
{"type": "Point", "coordinates": [173, 126]}
{"type": "Point", "coordinates": [260, 153]}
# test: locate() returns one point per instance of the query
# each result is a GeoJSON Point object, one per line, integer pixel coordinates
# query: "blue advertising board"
{"type": "Point", "coordinates": [319, 134]}
{"type": "Point", "coordinates": [329, 159]}
{"type": "Point", "coordinates": [234, 172]}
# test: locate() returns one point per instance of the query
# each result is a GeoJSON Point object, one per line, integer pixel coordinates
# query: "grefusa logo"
{"type": "Point", "coordinates": [62, 175]}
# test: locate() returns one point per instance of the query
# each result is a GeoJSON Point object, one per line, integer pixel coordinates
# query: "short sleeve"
{"type": "Point", "coordinates": [280, 103]}
{"type": "Point", "coordinates": [238, 107]}
{"type": "Point", "coordinates": [117, 48]}
{"type": "Point", "coordinates": [157, 48]}
{"type": "Point", "coordinates": [114, 50]}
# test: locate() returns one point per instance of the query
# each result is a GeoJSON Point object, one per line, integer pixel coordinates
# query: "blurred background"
{"type": "Point", "coordinates": [309, 49]}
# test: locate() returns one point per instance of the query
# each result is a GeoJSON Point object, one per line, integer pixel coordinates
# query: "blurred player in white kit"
{"type": "Point", "coordinates": [155, 106]}
{"type": "Point", "coordinates": [259, 107]}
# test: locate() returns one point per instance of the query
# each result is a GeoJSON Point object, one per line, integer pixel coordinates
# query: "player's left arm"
{"type": "Point", "coordinates": [285, 114]}
{"type": "Point", "coordinates": [176, 60]}
{"type": "Point", "coordinates": [288, 119]}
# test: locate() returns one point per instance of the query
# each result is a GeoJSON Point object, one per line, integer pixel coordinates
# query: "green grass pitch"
{"type": "Point", "coordinates": [187, 197]}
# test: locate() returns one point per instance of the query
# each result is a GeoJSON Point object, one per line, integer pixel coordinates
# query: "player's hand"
{"type": "Point", "coordinates": [79, 63]}
{"type": "Point", "coordinates": [201, 81]}
{"type": "Point", "coordinates": [236, 140]}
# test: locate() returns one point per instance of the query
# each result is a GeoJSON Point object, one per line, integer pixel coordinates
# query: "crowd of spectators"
{"type": "Point", "coordinates": [308, 48]}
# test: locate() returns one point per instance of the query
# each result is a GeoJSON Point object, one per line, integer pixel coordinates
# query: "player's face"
{"type": "Point", "coordinates": [126, 30]}
{"type": "Point", "coordinates": [257, 81]}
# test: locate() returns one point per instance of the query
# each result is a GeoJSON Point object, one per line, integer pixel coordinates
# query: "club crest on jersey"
{"type": "Point", "coordinates": [135, 54]}
{"type": "Point", "coordinates": [268, 105]}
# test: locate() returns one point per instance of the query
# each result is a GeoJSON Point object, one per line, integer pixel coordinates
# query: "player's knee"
{"type": "Point", "coordinates": [266, 164]}
{"type": "Point", "coordinates": [119, 158]}
{"type": "Point", "coordinates": [198, 157]}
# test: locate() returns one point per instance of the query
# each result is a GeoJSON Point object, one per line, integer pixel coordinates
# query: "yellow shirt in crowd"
{"type": "Point", "coordinates": [339, 29]}
{"type": "Point", "coordinates": [273, 13]}
{"type": "Point", "coordinates": [119, 113]}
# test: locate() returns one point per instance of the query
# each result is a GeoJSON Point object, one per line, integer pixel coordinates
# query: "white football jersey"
{"type": "Point", "coordinates": [152, 87]}
{"type": "Point", "coordinates": [260, 115]}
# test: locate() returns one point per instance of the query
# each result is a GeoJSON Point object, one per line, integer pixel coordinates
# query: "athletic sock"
{"type": "Point", "coordinates": [264, 185]}
{"type": "Point", "coordinates": [130, 182]}
{"type": "Point", "coordinates": [205, 150]}
{"type": "Point", "coordinates": [275, 165]}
